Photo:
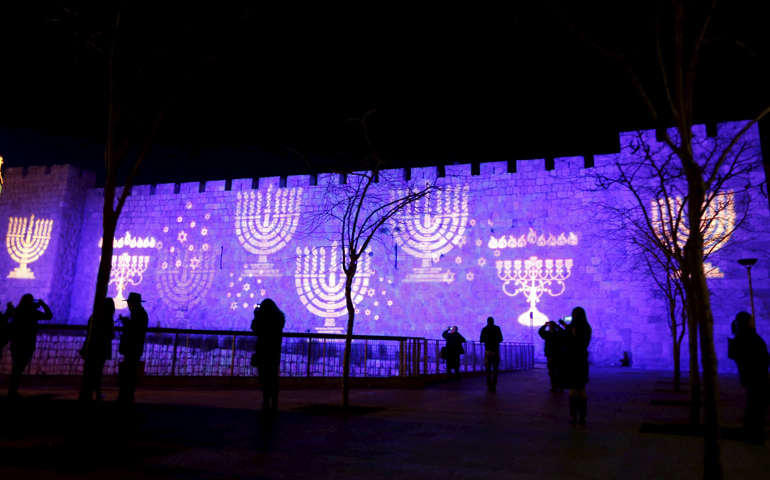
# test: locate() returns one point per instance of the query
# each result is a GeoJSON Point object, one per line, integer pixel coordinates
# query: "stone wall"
{"type": "Point", "coordinates": [197, 256]}
{"type": "Point", "coordinates": [55, 193]}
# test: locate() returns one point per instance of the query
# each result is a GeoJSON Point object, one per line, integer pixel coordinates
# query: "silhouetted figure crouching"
{"type": "Point", "coordinates": [131, 347]}
{"type": "Point", "coordinates": [268, 325]}
{"type": "Point", "coordinates": [452, 351]}
{"type": "Point", "coordinates": [24, 337]}
{"type": "Point", "coordinates": [97, 349]}
{"type": "Point", "coordinates": [577, 336]}
{"type": "Point", "coordinates": [750, 354]}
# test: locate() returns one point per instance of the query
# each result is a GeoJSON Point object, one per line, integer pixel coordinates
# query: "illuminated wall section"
{"type": "Point", "coordinates": [40, 221]}
{"type": "Point", "coordinates": [521, 247]}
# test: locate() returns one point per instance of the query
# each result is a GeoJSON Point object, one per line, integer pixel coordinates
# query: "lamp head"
{"type": "Point", "coordinates": [747, 262]}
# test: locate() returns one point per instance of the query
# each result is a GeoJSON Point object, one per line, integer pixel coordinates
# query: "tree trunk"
{"type": "Point", "coordinates": [677, 366]}
{"type": "Point", "coordinates": [349, 275]}
{"type": "Point", "coordinates": [692, 337]}
{"type": "Point", "coordinates": [674, 336]}
{"type": "Point", "coordinates": [701, 307]}
{"type": "Point", "coordinates": [109, 224]}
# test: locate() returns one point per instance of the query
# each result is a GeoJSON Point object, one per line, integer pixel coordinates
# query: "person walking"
{"type": "Point", "coordinates": [131, 347]}
{"type": "Point", "coordinates": [452, 351]}
{"type": "Point", "coordinates": [553, 335]}
{"type": "Point", "coordinates": [268, 325]}
{"type": "Point", "coordinates": [577, 337]}
{"type": "Point", "coordinates": [5, 327]}
{"type": "Point", "coordinates": [491, 337]}
{"type": "Point", "coordinates": [97, 349]}
{"type": "Point", "coordinates": [750, 353]}
{"type": "Point", "coordinates": [24, 337]}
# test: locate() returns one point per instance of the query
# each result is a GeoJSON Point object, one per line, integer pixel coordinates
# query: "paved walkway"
{"type": "Point", "coordinates": [454, 430]}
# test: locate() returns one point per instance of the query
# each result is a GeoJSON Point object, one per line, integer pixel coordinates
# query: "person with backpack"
{"type": "Point", "coordinates": [750, 353]}
{"type": "Point", "coordinates": [452, 351]}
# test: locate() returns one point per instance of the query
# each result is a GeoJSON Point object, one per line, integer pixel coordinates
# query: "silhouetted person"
{"type": "Point", "coordinates": [577, 336]}
{"type": "Point", "coordinates": [491, 337]}
{"type": "Point", "coordinates": [553, 335]}
{"type": "Point", "coordinates": [97, 349]}
{"type": "Point", "coordinates": [5, 327]}
{"type": "Point", "coordinates": [131, 347]}
{"type": "Point", "coordinates": [750, 354]}
{"type": "Point", "coordinates": [24, 337]}
{"type": "Point", "coordinates": [452, 351]}
{"type": "Point", "coordinates": [268, 326]}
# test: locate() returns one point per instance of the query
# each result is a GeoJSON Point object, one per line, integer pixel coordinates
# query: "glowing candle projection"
{"type": "Point", "coordinates": [26, 242]}
{"type": "Point", "coordinates": [718, 222]}
{"type": "Point", "coordinates": [321, 286]}
{"type": "Point", "coordinates": [532, 281]}
{"type": "Point", "coordinates": [186, 264]}
{"type": "Point", "coordinates": [128, 269]}
{"type": "Point", "coordinates": [265, 223]}
{"type": "Point", "coordinates": [430, 228]}
{"type": "Point", "coordinates": [532, 238]}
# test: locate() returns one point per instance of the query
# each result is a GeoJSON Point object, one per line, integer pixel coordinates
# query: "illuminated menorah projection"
{"type": "Point", "coordinates": [718, 216]}
{"type": "Point", "coordinates": [321, 286]}
{"type": "Point", "coordinates": [186, 265]}
{"type": "Point", "coordinates": [532, 281]}
{"type": "Point", "coordinates": [431, 227]}
{"type": "Point", "coordinates": [128, 269]}
{"type": "Point", "coordinates": [26, 242]}
{"type": "Point", "coordinates": [264, 225]}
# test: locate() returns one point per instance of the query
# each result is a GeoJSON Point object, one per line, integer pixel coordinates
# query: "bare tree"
{"type": "Point", "coordinates": [147, 72]}
{"type": "Point", "coordinates": [361, 208]}
{"type": "Point", "coordinates": [649, 215]}
{"type": "Point", "coordinates": [662, 62]}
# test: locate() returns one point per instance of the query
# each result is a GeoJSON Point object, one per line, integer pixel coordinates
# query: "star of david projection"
{"type": "Point", "coordinates": [195, 263]}
{"type": "Point", "coordinates": [469, 276]}
{"type": "Point", "coordinates": [246, 287]}
{"type": "Point", "coordinates": [182, 237]}
{"type": "Point", "coordinates": [482, 262]}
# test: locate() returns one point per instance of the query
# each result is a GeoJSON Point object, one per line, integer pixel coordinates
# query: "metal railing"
{"type": "Point", "coordinates": [179, 352]}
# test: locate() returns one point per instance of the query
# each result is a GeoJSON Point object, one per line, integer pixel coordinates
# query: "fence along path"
{"type": "Point", "coordinates": [217, 353]}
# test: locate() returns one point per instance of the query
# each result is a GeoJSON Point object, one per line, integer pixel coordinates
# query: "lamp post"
{"type": "Point", "coordinates": [748, 263]}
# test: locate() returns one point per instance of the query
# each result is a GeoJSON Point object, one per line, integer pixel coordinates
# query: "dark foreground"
{"type": "Point", "coordinates": [454, 430]}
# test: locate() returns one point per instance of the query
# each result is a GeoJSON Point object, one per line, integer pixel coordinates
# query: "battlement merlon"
{"type": "Point", "coordinates": [451, 173]}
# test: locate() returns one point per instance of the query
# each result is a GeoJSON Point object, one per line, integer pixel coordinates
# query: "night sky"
{"type": "Point", "coordinates": [450, 83]}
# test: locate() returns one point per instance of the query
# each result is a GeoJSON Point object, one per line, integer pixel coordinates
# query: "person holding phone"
{"type": "Point", "coordinates": [553, 335]}
{"type": "Point", "coordinates": [24, 337]}
{"type": "Point", "coordinates": [452, 351]}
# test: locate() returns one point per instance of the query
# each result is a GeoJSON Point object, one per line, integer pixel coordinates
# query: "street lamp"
{"type": "Point", "coordinates": [748, 263]}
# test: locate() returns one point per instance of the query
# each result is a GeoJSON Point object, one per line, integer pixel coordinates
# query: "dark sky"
{"type": "Point", "coordinates": [450, 83]}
